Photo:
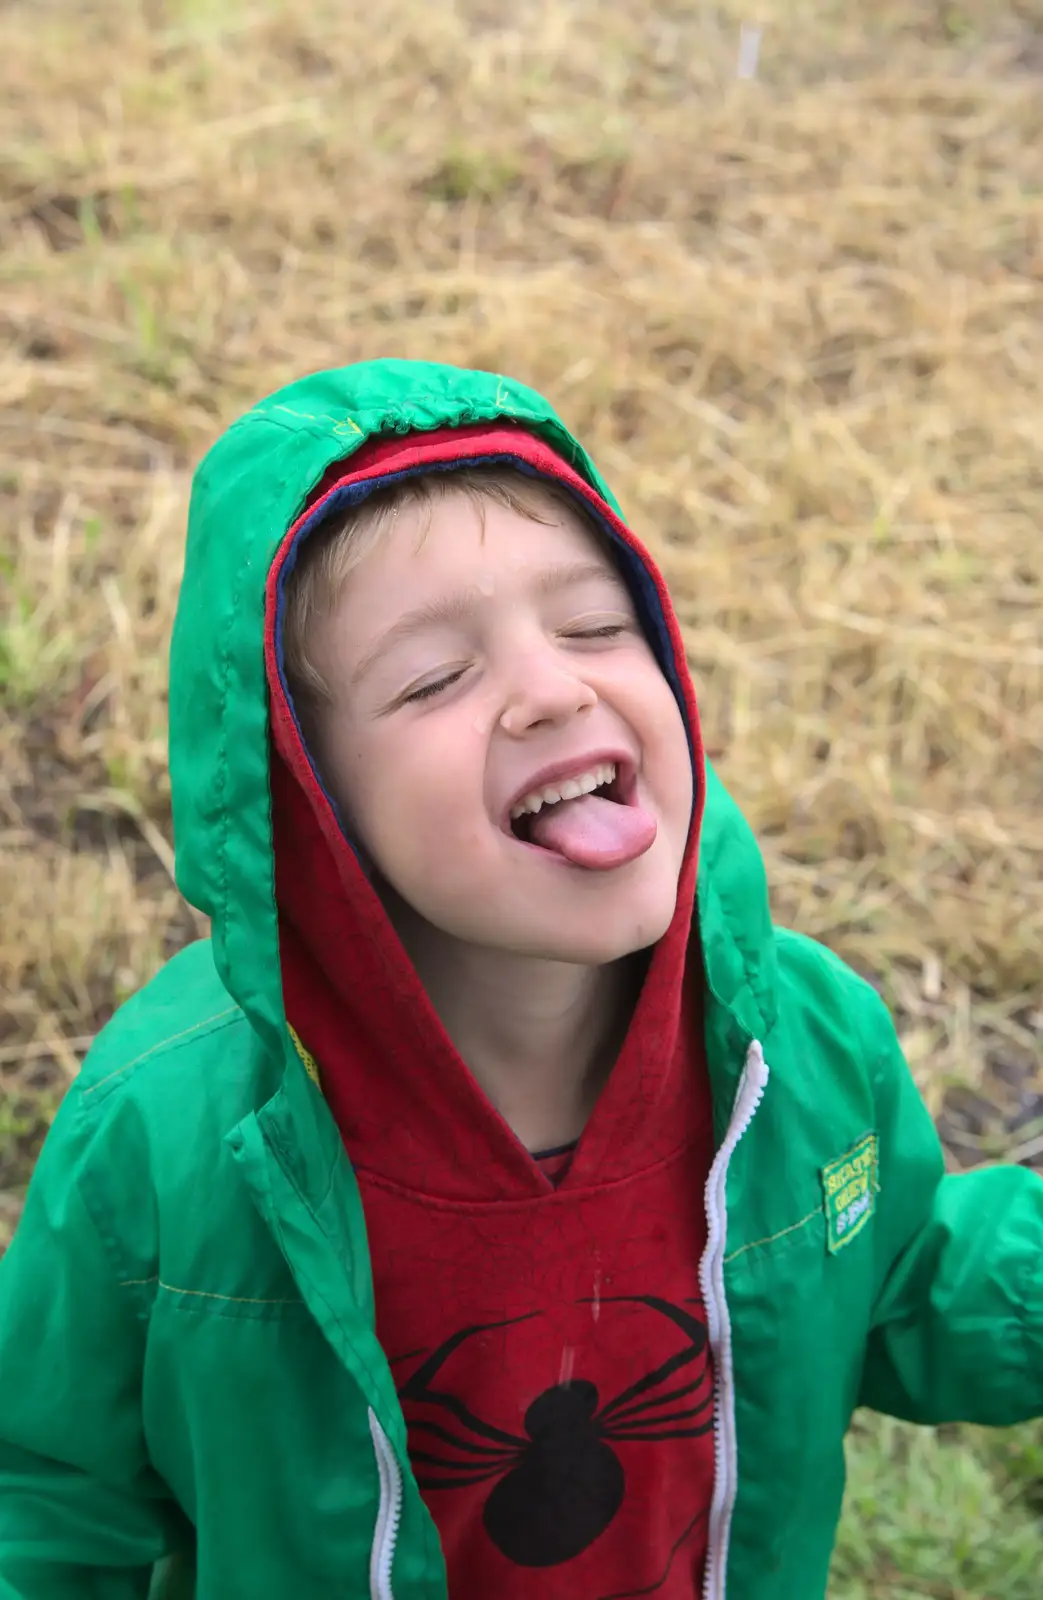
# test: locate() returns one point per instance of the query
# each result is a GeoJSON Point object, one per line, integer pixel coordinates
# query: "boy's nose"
{"type": "Point", "coordinates": [545, 694]}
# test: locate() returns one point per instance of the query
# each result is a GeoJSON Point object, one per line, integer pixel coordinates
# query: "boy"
{"type": "Point", "coordinates": [483, 1210]}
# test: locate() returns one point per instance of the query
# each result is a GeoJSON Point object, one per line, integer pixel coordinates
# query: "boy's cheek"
{"type": "Point", "coordinates": [335, 775]}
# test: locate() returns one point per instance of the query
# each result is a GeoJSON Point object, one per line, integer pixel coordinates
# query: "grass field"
{"type": "Point", "coordinates": [798, 317]}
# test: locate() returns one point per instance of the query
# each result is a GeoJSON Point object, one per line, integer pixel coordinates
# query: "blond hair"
{"type": "Point", "coordinates": [334, 550]}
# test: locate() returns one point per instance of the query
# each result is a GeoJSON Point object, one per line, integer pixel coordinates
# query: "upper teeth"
{"type": "Point", "coordinates": [586, 783]}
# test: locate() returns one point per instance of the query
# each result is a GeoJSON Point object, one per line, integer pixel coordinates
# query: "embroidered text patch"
{"type": "Point", "coordinates": [850, 1185]}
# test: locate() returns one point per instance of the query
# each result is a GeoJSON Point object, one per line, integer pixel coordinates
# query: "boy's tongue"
{"type": "Point", "coordinates": [592, 832]}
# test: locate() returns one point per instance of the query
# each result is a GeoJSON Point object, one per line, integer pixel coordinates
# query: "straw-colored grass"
{"type": "Point", "coordinates": [798, 318]}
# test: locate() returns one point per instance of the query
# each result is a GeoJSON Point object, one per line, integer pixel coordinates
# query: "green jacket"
{"type": "Point", "coordinates": [192, 1396]}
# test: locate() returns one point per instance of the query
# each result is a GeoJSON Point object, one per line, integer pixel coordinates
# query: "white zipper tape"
{"type": "Point", "coordinates": [389, 1513]}
{"type": "Point", "coordinates": [748, 1097]}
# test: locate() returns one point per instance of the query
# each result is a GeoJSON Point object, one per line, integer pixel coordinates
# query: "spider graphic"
{"type": "Point", "coordinates": [561, 1485]}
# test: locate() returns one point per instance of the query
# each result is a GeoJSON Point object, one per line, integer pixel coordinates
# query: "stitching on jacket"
{"type": "Point", "coordinates": [207, 1294]}
{"type": "Point", "coordinates": [222, 792]}
{"type": "Point", "coordinates": [371, 1374]}
{"type": "Point", "coordinates": [305, 416]}
{"type": "Point", "coordinates": [794, 1227]}
{"type": "Point", "coordinates": [152, 1049]}
{"type": "Point", "coordinates": [370, 404]}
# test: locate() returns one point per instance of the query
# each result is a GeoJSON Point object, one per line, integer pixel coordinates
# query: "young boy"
{"type": "Point", "coordinates": [497, 1205]}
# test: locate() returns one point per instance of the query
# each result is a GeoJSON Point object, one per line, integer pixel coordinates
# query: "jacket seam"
{"type": "Point", "coordinates": [222, 762]}
{"type": "Point", "coordinates": [757, 1244]}
{"type": "Point", "coordinates": [370, 1373]}
{"type": "Point", "coordinates": [308, 416]}
{"type": "Point", "coordinates": [208, 1294]}
{"type": "Point", "coordinates": [276, 1224]}
{"type": "Point", "coordinates": [323, 421]}
{"type": "Point", "coordinates": [101, 1223]}
{"type": "Point", "coordinates": [373, 405]}
{"type": "Point", "coordinates": [171, 1039]}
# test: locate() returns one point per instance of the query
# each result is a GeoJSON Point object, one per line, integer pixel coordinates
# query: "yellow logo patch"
{"type": "Point", "coordinates": [850, 1185]}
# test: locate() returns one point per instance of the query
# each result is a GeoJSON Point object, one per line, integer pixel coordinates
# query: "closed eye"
{"type": "Point", "coordinates": [428, 690]}
{"type": "Point", "coordinates": [607, 630]}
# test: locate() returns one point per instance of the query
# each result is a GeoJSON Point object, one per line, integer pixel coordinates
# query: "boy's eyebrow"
{"type": "Point", "coordinates": [458, 607]}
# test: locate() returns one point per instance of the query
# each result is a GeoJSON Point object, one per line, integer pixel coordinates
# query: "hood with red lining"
{"type": "Point", "coordinates": [259, 845]}
{"type": "Point", "coordinates": [344, 972]}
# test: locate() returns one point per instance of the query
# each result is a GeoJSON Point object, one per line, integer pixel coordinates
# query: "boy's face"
{"type": "Point", "coordinates": [440, 722]}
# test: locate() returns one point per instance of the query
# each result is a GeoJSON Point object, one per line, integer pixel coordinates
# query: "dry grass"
{"type": "Point", "coordinates": [799, 320]}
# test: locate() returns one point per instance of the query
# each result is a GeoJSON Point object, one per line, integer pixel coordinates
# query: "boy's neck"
{"type": "Point", "coordinates": [539, 1037]}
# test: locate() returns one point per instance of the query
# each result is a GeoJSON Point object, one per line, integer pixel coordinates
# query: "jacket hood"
{"type": "Point", "coordinates": [237, 759]}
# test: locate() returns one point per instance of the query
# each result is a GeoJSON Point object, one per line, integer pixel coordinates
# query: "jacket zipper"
{"type": "Point", "coordinates": [389, 1513]}
{"type": "Point", "coordinates": [748, 1097]}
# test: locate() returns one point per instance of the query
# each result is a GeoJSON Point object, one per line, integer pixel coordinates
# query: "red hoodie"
{"type": "Point", "coordinates": [542, 1313]}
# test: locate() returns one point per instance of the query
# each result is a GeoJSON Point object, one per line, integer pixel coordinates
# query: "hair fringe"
{"type": "Point", "coordinates": [333, 551]}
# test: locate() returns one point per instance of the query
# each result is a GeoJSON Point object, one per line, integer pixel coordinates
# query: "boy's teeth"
{"type": "Point", "coordinates": [571, 789]}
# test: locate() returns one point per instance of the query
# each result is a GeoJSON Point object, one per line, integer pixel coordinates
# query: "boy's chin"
{"type": "Point", "coordinates": [588, 937]}
{"type": "Point", "coordinates": [600, 952]}
{"type": "Point", "coordinates": [589, 942]}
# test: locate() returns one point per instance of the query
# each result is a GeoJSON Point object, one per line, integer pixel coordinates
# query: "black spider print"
{"type": "Point", "coordinates": [561, 1486]}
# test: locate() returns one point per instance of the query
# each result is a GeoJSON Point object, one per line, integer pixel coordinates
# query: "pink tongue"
{"type": "Point", "coordinates": [592, 832]}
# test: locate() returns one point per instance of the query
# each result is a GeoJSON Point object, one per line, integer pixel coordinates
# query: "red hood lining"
{"type": "Point", "coordinates": [396, 1086]}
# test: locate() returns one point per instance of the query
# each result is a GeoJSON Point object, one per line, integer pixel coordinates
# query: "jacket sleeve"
{"type": "Point", "coordinates": [957, 1329]}
{"type": "Point", "coordinates": [81, 1510]}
